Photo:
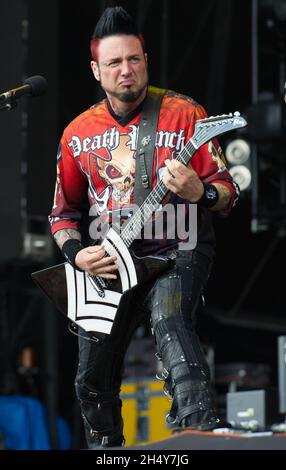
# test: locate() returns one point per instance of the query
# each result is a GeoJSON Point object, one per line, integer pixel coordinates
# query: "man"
{"type": "Point", "coordinates": [97, 157]}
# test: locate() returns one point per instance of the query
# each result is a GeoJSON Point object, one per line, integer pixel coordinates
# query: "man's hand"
{"type": "Point", "coordinates": [92, 260]}
{"type": "Point", "coordinates": [183, 180]}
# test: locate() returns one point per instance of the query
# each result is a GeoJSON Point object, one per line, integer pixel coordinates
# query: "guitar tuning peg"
{"type": "Point", "coordinates": [236, 114]}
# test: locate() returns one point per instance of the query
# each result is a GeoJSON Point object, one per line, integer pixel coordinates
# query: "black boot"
{"type": "Point", "coordinates": [204, 423]}
{"type": "Point", "coordinates": [102, 418]}
{"type": "Point", "coordinates": [105, 438]}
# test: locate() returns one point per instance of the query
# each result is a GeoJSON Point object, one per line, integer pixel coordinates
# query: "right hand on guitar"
{"type": "Point", "coordinates": [93, 261]}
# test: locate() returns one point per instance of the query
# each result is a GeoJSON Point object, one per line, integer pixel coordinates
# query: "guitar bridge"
{"type": "Point", "coordinates": [98, 284]}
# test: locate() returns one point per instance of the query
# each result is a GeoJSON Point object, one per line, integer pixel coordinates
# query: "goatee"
{"type": "Point", "coordinates": [127, 96]}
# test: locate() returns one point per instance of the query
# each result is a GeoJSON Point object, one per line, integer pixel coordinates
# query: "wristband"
{"type": "Point", "coordinates": [209, 197]}
{"type": "Point", "coordinates": [70, 249]}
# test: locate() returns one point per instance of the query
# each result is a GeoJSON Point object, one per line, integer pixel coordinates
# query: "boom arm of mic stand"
{"type": "Point", "coordinates": [9, 106]}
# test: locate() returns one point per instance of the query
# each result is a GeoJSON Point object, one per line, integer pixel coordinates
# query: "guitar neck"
{"type": "Point", "coordinates": [205, 130]}
{"type": "Point", "coordinates": [152, 202]}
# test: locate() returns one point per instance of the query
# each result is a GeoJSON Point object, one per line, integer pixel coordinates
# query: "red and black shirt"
{"type": "Point", "coordinates": [97, 157]}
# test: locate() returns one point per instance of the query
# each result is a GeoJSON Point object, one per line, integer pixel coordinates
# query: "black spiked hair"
{"type": "Point", "coordinates": [113, 21]}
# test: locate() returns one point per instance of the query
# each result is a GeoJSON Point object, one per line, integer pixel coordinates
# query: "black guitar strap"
{"type": "Point", "coordinates": [146, 143]}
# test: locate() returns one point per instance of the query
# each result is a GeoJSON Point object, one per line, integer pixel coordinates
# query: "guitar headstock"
{"type": "Point", "coordinates": [206, 129]}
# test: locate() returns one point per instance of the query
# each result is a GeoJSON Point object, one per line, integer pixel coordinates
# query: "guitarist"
{"type": "Point", "coordinates": [96, 159]}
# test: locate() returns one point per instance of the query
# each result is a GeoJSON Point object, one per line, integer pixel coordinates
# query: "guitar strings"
{"type": "Point", "coordinates": [151, 203]}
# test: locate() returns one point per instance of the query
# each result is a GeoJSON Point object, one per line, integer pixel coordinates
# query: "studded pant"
{"type": "Point", "coordinates": [173, 301]}
{"type": "Point", "coordinates": [170, 303]}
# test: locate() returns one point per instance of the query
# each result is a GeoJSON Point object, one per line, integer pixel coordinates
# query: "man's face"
{"type": "Point", "coordinates": [121, 67]}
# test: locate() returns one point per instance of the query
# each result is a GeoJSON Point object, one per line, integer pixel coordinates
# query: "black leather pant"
{"type": "Point", "coordinates": [170, 302]}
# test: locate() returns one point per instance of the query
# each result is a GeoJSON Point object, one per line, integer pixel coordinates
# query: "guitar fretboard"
{"type": "Point", "coordinates": [152, 202]}
{"type": "Point", "coordinates": [205, 130]}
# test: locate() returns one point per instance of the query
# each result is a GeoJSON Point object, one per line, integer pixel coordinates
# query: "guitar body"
{"type": "Point", "coordinates": [74, 294]}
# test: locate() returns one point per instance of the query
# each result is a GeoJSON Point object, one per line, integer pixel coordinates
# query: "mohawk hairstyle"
{"type": "Point", "coordinates": [114, 20]}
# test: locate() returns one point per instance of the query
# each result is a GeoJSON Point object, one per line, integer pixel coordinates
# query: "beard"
{"type": "Point", "coordinates": [127, 96]}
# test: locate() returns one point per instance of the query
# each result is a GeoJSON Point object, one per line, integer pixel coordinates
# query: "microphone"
{"type": "Point", "coordinates": [33, 86]}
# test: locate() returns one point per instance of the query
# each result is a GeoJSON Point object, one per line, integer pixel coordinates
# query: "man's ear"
{"type": "Point", "coordinates": [95, 70]}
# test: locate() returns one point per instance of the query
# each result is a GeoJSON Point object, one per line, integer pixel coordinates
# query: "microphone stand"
{"type": "Point", "coordinates": [9, 106]}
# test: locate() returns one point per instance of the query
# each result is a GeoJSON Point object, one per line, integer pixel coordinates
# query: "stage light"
{"type": "Point", "coordinates": [237, 152]}
{"type": "Point", "coordinates": [241, 175]}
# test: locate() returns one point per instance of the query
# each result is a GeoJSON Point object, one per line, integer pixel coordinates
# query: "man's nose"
{"type": "Point", "coordinates": [126, 68]}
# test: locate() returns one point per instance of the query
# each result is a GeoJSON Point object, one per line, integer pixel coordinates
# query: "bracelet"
{"type": "Point", "coordinates": [209, 197]}
{"type": "Point", "coordinates": [70, 249]}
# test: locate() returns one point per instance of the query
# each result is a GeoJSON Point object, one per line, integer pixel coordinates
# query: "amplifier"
{"type": "Point", "coordinates": [253, 410]}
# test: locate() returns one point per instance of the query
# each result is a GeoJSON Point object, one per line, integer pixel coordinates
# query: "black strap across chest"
{"type": "Point", "coordinates": [146, 143]}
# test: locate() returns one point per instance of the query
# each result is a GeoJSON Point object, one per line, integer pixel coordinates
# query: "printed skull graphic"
{"type": "Point", "coordinates": [118, 170]}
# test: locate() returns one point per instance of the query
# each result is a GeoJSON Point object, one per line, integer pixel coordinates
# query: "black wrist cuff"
{"type": "Point", "coordinates": [210, 196]}
{"type": "Point", "coordinates": [70, 249]}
